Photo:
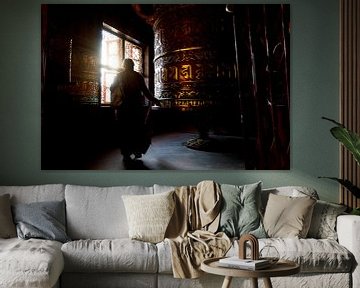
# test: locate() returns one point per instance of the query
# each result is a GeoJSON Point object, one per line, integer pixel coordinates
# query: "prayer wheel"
{"type": "Point", "coordinates": [193, 56]}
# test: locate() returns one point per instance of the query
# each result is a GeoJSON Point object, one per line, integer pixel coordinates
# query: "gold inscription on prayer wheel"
{"type": "Point", "coordinates": [194, 65]}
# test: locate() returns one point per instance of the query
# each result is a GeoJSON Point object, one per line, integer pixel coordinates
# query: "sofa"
{"type": "Point", "coordinates": [93, 244]}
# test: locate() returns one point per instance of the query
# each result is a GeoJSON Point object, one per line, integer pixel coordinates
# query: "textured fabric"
{"type": "Point", "coordinates": [34, 193]}
{"type": "Point", "coordinates": [348, 229]}
{"type": "Point", "coordinates": [207, 203]}
{"type": "Point", "coordinates": [108, 280]}
{"type": "Point", "coordinates": [164, 257]}
{"type": "Point", "coordinates": [240, 212]}
{"type": "Point", "coordinates": [196, 208]}
{"type": "Point", "coordinates": [98, 212]}
{"type": "Point", "coordinates": [7, 226]}
{"type": "Point", "coordinates": [323, 222]}
{"type": "Point", "coordinates": [287, 216]}
{"type": "Point", "coordinates": [148, 215]}
{"type": "Point", "coordinates": [313, 255]}
{"type": "Point", "coordinates": [291, 191]}
{"type": "Point", "coordinates": [44, 220]}
{"type": "Point", "coordinates": [116, 255]}
{"type": "Point", "coordinates": [199, 245]}
{"type": "Point", "coordinates": [205, 281]}
{"type": "Point", "coordinates": [314, 280]}
{"type": "Point", "coordinates": [180, 223]}
{"type": "Point", "coordinates": [32, 263]}
{"type": "Point", "coordinates": [162, 188]}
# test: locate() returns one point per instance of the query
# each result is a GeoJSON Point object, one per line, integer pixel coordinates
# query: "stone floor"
{"type": "Point", "coordinates": [169, 152]}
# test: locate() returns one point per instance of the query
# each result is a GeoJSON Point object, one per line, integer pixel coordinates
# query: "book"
{"type": "Point", "coordinates": [249, 264]}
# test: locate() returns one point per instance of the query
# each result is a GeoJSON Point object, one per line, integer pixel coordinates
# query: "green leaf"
{"type": "Point", "coordinates": [348, 185]}
{"type": "Point", "coordinates": [355, 211]}
{"type": "Point", "coordinates": [333, 121]}
{"type": "Point", "coordinates": [348, 138]}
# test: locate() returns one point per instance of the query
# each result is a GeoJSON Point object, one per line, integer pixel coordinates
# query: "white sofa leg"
{"type": "Point", "coordinates": [348, 229]}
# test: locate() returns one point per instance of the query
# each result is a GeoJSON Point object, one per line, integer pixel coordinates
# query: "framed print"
{"type": "Point", "coordinates": [165, 86]}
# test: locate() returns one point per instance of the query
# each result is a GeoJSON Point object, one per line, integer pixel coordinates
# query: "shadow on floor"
{"type": "Point", "coordinates": [169, 152]}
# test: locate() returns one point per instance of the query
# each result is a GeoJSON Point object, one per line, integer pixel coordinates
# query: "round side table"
{"type": "Point", "coordinates": [281, 268]}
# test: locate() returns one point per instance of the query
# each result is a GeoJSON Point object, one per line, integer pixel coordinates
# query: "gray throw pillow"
{"type": "Point", "coordinates": [7, 226]}
{"type": "Point", "coordinates": [240, 213]}
{"type": "Point", "coordinates": [44, 220]}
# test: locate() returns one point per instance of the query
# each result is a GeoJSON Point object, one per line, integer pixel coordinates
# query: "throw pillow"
{"type": "Point", "coordinates": [240, 213]}
{"type": "Point", "coordinates": [149, 215]}
{"type": "Point", "coordinates": [7, 226]}
{"type": "Point", "coordinates": [44, 220]}
{"type": "Point", "coordinates": [323, 223]}
{"type": "Point", "coordinates": [288, 217]}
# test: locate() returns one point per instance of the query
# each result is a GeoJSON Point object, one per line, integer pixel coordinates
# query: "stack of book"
{"type": "Point", "coordinates": [249, 264]}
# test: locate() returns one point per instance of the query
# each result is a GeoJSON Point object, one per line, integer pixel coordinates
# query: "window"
{"type": "Point", "coordinates": [116, 46]}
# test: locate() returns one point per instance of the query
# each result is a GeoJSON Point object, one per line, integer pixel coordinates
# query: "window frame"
{"type": "Point", "coordinates": [124, 38]}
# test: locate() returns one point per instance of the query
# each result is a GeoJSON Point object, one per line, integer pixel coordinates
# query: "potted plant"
{"type": "Point", "coordinates": [351, 141]}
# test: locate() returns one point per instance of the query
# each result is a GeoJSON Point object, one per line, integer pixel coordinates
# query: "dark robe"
{"type": "Point", "coordinates": [134, 136]}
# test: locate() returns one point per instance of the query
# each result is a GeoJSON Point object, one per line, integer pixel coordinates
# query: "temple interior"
{"type": "Point", "coordinates": [221, 73]}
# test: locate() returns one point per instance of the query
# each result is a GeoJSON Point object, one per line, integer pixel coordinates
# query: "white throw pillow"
{"type": "Point", "coordinates": [149, 215]}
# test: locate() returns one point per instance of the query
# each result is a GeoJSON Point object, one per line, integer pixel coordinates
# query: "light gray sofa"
{"type": "Point", "coordinates": [100, 253]}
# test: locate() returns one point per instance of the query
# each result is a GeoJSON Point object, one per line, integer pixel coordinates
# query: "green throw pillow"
{"type": "Point", "coordinates": [240, 212]}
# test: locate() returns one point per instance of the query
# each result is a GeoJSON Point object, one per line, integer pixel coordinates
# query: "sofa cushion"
{"type": "Point", "coordinates": [240, 212]}
{"type": "Point", "coordinates": [98, 212]}
{"type": "Point", "coordinates": [163, 188]}
{"type": "Point", "coordinates": [288, 216]}
{"type": "Point", "coordinates": [164, 257]}
{"type": "Point", "coordinates": [7, 226]}
{"type": "Point", "coordinates": [148, 215]}
{"type": "Point", "coordinates": [323, 222]}
{"type": "Point", "coordinates": [291, 191]}
{"type": "Point", "coordinates": [44, 220]}
{"type": "Point", "coordinates": [109, 280]}
{"type": "Point", "coordinates": [34, 193]}
{"type": "Point", "coordinates": [30, 263]}
{"type": "Point", "coordinates": [313, 255]}
{"type": "Point", "coordinates": [116, 255]}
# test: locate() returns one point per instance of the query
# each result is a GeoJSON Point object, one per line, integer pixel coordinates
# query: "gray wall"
{"type": "Point", "coordinates": [314, 93]}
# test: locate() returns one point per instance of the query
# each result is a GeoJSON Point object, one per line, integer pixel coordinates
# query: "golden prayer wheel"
{"type": "Point", "coordinates": [193, 59]}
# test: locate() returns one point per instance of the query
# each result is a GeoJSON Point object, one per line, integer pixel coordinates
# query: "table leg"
{"type": "Point", "coordinates": [227, 282]}
{"type": "Point", "coordinates": [254, 282]}
{"type": "Point", "coordinates": [267, 283]}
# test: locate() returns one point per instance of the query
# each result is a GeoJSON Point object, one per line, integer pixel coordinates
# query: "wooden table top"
{"type": "Point", "coordinates": [281, 268]}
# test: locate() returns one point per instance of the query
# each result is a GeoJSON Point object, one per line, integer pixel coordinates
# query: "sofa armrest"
{"type": "Point", "coordinates": [348, 230]}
